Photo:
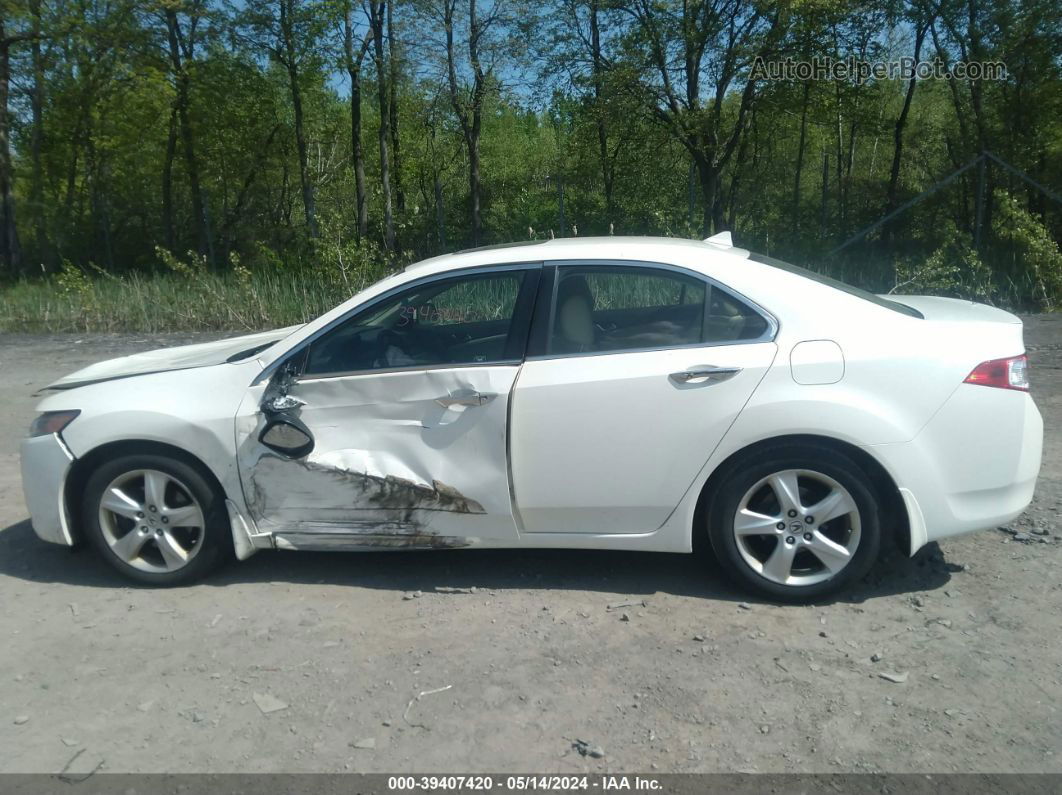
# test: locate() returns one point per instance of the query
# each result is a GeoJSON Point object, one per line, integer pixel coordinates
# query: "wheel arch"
{"type": "Point", "coordinates": [895, 519]}
{"type": "Point", "coordinates": [83, 467]}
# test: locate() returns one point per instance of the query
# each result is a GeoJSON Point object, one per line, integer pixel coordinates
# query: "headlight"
{"type": "Point", "coordinates": [52, 422]}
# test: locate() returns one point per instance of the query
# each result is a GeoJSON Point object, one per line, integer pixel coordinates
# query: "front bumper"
{"type": "Point", "coordinates": [973, 467]}
{"type": "Point", "coordinates": [46, 463]}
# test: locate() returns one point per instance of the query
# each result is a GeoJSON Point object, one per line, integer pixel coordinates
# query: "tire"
{"type": "Point", "coordinates": [179, 540]}
{"type": "Point", "coordinates": [764, 540]}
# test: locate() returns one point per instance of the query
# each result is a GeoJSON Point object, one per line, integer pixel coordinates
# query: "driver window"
{"type": "Point", "coordinates": [464, 320]}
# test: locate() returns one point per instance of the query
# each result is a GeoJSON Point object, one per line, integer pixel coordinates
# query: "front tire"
{"type": "Point", "coordinates": [156, 519]}
{"type": "Point", "coordinates": [796, 523]}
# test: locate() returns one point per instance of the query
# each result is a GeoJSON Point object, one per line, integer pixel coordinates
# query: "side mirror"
{"type": "Point", "coordinates": [287, 436]}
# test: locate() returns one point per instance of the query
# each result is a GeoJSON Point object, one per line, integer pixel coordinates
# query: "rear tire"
{"type": "Point", "coordinates": [764, 530]}
{"type": "Point", "coordinates": [156, 519]}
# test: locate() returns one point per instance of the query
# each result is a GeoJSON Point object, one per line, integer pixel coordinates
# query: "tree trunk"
{"type": "Point", "coordinates": [357, 153]}
{"type": "Point", "coordinates": [711, 215]}
{"type": "Point", "coordinates": [897, 136]}
{"type": "Point", "coordinates": [440, 209]}
{"type": "Point", "coordinates": [377, 12]}
{"type": "Point", "coordinates": [167, 183]}
{"type": "Point", "coordinates": [287, 31]}
{"type": "Point", "coordinates": [478, 91]}
{"type": "Point", "coordinates": [474, 181]}
{"type": "Point", "coordinates": [735, 179]}
{"type": "Point", "coordinates": [824, 207]}
{"type": "Point", "coordinates": [470, 117]}
{"type": "Point", "coordinates": [41, 243]}
{"type": "Point", "coordinates": [392, 87]}
{"type": "Point", "coordinates": [180, 105]}
{"type": "Point", "coordinates": [795, 212]}
{"type": "Point", "coordinates": [10, 252]}
{"type": "Point", "coordinates": [596, 62]}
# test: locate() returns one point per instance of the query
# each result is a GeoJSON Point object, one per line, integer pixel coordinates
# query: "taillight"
{"type": "Point", "coordinates": [1012, 373]}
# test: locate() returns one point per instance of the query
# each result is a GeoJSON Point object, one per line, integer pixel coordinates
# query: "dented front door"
{"type": "Point", "coordinates": [388, 429]}
{"type": "Point", "coordinates": [414, 458]}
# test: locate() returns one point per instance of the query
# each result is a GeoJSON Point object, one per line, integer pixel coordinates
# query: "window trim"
{"type": "Point", "coordinates": [528, 290]}
{"type": "Point", "coordinates": [538, 337]}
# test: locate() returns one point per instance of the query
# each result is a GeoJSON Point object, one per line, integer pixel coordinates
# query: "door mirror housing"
{"type": "Point", "coordinates": [288, 436]}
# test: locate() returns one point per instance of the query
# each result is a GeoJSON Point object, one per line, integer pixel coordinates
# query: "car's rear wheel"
{"type": "Point", "coordinates": [156, 519]}
{"type": "Point", "coordinates": [796, 524]}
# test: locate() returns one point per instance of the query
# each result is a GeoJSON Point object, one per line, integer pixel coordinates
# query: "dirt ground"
{"type": "Point", "coordinates": [691, 676]}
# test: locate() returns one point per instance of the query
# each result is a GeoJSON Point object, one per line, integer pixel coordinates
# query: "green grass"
{"type": "Point", "coordinates": [193, 299]}
{"type": "Point", "coordinates": [168, 302]}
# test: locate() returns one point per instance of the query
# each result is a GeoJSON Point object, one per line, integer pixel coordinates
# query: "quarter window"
{"type": "Point", "coordinates": [608, 309]}
{"type": "Point", "coordinates": [459, 321]}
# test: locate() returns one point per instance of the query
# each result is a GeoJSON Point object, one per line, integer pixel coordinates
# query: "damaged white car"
{"type": "Point", "coordinates": [617, 393]}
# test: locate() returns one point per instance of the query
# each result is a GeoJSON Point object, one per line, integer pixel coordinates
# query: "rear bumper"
{"type": "Point", "coordinates": [45, 464]}
{"type": "Point", "coordinates": [973, 467]}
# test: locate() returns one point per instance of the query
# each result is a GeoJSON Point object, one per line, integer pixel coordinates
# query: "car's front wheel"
{"type": "Point", "coordinates": [796, 524]}
{"type": "Point", "coordinates": [156, 519]}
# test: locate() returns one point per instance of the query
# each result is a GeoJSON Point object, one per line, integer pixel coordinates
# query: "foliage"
{"type": "Point", "coordinates": [954, 270]}
{"type": "Point", "coordinates": [1032, 257]}
{"type": "Point", "coordinates": [126, 153]}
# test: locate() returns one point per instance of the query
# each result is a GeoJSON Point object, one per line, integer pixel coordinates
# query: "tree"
{"type": "Point", "coordinates": [182, 20]}
{"type": "Point", "coordinates": [11, 35]}
{"type": "Point", "coordinates": [377, 14]}
{"type": "Point", "coordinates": [290, 31]}
{"type": "Point", "coordinates": [696, 51]}
{"type": "Point", "coordinates": [468, 105]}
{"type": "Point", "coordinates": [353, 58]}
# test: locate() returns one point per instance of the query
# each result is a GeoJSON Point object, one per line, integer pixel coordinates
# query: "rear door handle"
{"type": "Point", "coordinates": [705, 372]}
{"type": "Point", "coordinates": [465, 398]}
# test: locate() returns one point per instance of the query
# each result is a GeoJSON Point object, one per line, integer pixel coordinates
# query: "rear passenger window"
{"type": "Point", "coordinates": [603, 309]}
{"type": "Point", "coordinates": [731, 319]}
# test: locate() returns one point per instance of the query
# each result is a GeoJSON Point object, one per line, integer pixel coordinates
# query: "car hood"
{"type": "Point", "coordinates": [176, 358]}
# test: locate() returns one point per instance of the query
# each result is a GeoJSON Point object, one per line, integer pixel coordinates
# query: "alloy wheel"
{"type": "Point", "coordinates": [151, 520]}
{"type": "Point", "coordinates": [797, 527]}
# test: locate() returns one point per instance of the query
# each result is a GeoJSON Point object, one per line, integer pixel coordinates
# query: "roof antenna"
{"type": "Point", "coordinates": [721, 239]}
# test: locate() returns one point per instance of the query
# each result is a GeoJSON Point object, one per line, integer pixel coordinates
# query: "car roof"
{"type": "Point", "coordinates": [670, 250]}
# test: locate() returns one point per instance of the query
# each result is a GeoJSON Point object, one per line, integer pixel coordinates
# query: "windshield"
{"type": "Point", "coordinates": [895, 306]}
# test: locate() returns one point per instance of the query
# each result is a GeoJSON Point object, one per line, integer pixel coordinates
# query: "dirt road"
{"type": "Point", "coordinates": [314, 662]}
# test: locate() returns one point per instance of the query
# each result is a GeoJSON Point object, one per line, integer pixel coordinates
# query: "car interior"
{"type": "Point", "coordinates": [657, 312]}
{"type": "Point", "coordinates": [453, 322]}
{"type": "Point", "coordinates": [467, 321]}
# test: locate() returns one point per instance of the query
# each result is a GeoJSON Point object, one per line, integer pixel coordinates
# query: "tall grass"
{"type": "Point", "coordinates": [169, 302]}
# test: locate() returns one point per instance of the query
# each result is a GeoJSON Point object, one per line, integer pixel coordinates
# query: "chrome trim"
{"type": "Point", "coordinates": [418, 368]}
{"type": "Point", "coordinates": [709, 372]}
{"type": "Point", "coordinates": [441, 276]}
{"type": "Point", "coordinates": [685, 346]}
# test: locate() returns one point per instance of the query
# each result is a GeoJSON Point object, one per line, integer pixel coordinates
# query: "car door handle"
{"type": "Point", "coordinates": [707, 372]}
{"type": "Point", "coordinates": [463, 398]}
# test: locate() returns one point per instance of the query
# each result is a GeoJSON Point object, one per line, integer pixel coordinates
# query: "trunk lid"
{"type": "Point", "coordinates": [964, 330]}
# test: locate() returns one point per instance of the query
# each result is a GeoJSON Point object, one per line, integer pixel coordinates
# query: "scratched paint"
{"type": "Point", "coordinates": [391, 465]}
{"type": "Point", "coordinates": [283, 490]}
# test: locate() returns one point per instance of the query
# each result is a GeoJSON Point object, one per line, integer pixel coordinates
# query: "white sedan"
{"type": "Point", "coordinates": [616, 393]}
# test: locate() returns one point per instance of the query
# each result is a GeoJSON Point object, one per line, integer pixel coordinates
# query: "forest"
{"type": "Point", "coordinates": [201, 164]}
